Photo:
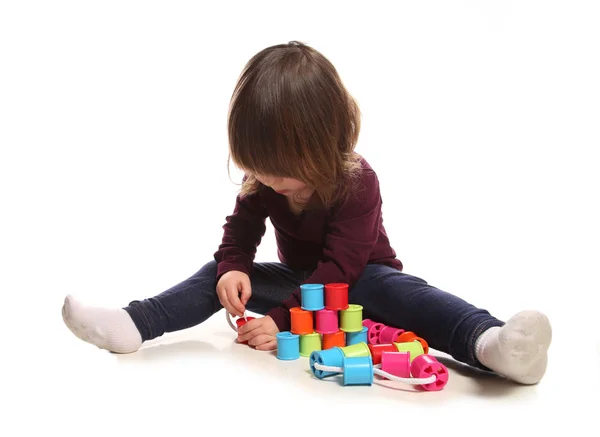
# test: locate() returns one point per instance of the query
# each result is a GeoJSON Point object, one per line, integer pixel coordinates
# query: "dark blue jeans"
{"type": "Point", "coordinates": [446, 322]}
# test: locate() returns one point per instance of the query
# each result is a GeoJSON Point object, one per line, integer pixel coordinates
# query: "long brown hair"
{"type": "Point", "coordinates": [291, 116]}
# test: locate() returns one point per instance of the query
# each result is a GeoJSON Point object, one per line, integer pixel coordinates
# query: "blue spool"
{"type": "Point", "coordinates": [288, 346]}
{"type": "Point", "coordinates": [358, 371]}
{"type": "Point", "coordinates": [357, 337]}
{"type": "Point", "coordinates": [313, 297]}
{"type": "Point", "coordinates": [329, 357]}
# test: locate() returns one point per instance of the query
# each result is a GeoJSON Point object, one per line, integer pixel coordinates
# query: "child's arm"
{"type": "Point", "coordinates": [242, 233]}
{"type": "Point", "coordinates": [353, 232]}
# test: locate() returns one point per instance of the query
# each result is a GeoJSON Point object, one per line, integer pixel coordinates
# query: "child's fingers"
{"type": "Point", "coordinates": [250, 330]}
{"type": "Point", "coordinates": [246, 290]}
{"type": "Point", "coordinates": [271, 345]}
{"type": "Point", "coordinates": [225, 301]}
{"type": "Point", "coordinates": [234, 301]}
{"type": "Point", "coordinates": [260, 339]}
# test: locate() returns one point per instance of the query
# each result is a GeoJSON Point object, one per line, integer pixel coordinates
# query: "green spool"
{"type": "Point", "coordinates": [356, 350]}
{"type": "Point", "coordinates": [351, 318]}
{"type": "Point", "coordinates": [309, 343]}
{"type": "Point", "coordinates": [414, 347]}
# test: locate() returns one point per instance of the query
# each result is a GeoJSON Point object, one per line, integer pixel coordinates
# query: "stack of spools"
{"type": "Point", "coordinates": [324, 320]}
{"type": "Point", "coordinates": [333, 334]}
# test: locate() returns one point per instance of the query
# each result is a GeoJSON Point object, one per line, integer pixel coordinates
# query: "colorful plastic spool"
{"type": "Point", "coordinates": [312, 297]}
{"type": "Point", "coordinates": [357, 337]}
{"type": "Point", "coordinates": [351, 318]}
{"type": "Point", "coordinates": [409, 336]}
{"type": "Point", "coordinates": [302, 321]}
{"type": "Point", "coordinates": [358, 371]}
{"type": "Point", "coordinates": [377, 351]}
{"type": "Point", "coordinates": [336, 296]}
{"type": "Point", "coordinates": [241, 322]}
{"type": "Point", "coordinates": [310, 343]}
{"type": "Point", "coordinates": [356, 350]}
{"type": "Point", "coordinates": [426, 365]}
{"type": "Point", "coordinates": [327, 321]}
{"type": "Point", "coordinates": [367, 323]}
{"type": "Point", "coordinates": [414, 347]}
{"type": "Point", "coordinates": [389, 334]}
{"type": "Point", "coordinates": [288, 346]}
{"type": "Point", "coordinates": [374, 333]}
{"type": "Point", "coordinates": [330, 357]}
{"type": "Point", "coordinates": [396, 363]}
{"type": "Point", "coordinates": [337, 339]}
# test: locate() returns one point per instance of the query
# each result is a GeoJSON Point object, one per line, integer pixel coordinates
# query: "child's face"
{"type": "Point", "coordinates": [285, 186]}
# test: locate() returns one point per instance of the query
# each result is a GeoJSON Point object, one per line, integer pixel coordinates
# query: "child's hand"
{"type": "Point", "coordinates": [229, 288]}
{"type": "Point", "coordinates": [259, 333]}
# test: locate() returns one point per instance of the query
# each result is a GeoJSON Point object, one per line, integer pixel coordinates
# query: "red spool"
{"type": "Point", "coordinates": [241, 322]}
{"type": "Point", "coordinates": [378, 349]}
{"type": "Point", "coordinates": [336, 296]}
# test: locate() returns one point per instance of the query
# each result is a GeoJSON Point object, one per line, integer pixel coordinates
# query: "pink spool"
{"type": "Point", "coordinates": [373, 333]}
{"type": "Point", "coordinates": [367, 323]}
{"type": "Point", "coordinates": [396, 363]}
{"type": "Point", "coordinates": [426, 365]}
{"type": "Point", "coordinates": [327, 322]}
{"type": "Point", "coordinates": [390, 334]}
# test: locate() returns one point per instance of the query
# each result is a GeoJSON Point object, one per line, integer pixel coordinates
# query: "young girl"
{"type": "Point", "coordinates": [292, 129]}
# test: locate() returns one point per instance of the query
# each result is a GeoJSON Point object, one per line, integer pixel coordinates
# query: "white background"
{"type": "Point", "coordinates": [481, 119]}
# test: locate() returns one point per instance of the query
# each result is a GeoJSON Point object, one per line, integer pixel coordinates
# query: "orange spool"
{"type": "Point", "coordinates": [332, 340]}
{"type": "Point", "coordinates": [302, 321]}
{"type": "Point", "coordinates": [409, 336]}
{"type": "Point", "coordinates": [405, 337]}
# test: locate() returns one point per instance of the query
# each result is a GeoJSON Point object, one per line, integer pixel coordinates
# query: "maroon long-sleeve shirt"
{"type": "Point", "coordinates": [336, 243]}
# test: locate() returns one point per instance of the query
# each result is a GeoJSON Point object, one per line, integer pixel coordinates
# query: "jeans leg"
{"type": "Point", "coordinates": [194, 300]}
{"type": "Point", "coordinates": [447, 322]}
{"type": "Point", "coordinates": [182, 306]}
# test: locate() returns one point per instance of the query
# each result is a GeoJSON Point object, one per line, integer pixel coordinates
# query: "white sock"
{"type": "Point", "coordinates": [517, 350]}
{"type": "Point", "coordinates": [107, 328]}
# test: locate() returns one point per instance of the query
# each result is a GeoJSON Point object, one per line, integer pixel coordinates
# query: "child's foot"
{"type": "Point", "coordinates": [106, 328]}
{"type": "Point", "coordinates": [517, 350]}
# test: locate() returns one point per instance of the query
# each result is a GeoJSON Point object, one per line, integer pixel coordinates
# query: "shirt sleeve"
{"type": "Point", "coordinates": [352, 233]}
{"type": "Point", "coordinates": [242, 233]}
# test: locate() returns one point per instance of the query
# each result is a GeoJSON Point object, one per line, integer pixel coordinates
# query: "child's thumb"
{"type": "Point", "coordinates": [246, 292]}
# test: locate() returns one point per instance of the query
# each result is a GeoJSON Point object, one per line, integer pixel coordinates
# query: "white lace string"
{"type": "Point", "coordinates": [228, 316]}
{"type": "Point", "coordinates": [378, 371]}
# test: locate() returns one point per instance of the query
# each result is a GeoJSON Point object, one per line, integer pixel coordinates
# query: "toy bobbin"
{"type": "Point", "coordinates": [378, 349]}
{"type": "Point", "coordinates": [336, 296]}
{"type": "Point", "coordinates": [426, 365]}
{"type": "Point", "coordinates": [241, 322]}
{"type": "Point", "coordinates": [409, 336]}
{"type": "Point", "coordinates": [327, 321]}
{"type": "Point", "coordinates": [331, 357]}
{"type": "Point", "coordinates": [396, 363]}
{"type": "Point", "coordinates": [351, 318]}
{"type": "Point", "coordinates": [336, 339]}
{"type": "Point", "coordinates": [301, 320]}
{"type": "Point", "coordinates": [358, 371]}
{"type": "Point", "coordinates": [356, 350]}
{"type": "Point", "coordinates": [390, 334]}
{"type": "Point", "coordinates": [414, 347]}
{"type": "Point", "coordinates": [288, 346]}
{"type": "Point", "coordinates": [357, 337]}
{"type": "Point", "coordinates": [312, 297]}
{"type": "Point", "coordinates": [310, 343]}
